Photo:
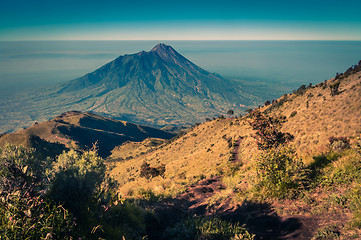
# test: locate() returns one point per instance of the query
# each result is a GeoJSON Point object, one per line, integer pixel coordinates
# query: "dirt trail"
{"type": "Point", "coordinates": [258, 218]}
{"type": "Point", "coordinates": [235, 150]}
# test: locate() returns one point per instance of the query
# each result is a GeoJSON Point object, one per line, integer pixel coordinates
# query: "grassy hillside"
{"type": "Point", "coordinates": [310, 138]}
{"type": "Point", "coordinates": [311, 117]}
{"type": "Point", "coordinates": [314, 115]}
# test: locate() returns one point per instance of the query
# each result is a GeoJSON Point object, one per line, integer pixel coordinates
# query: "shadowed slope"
{"type": "Point", "coordinates": [82, 130]}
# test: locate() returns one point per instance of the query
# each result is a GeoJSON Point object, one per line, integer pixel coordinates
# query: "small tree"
{"type": "Point", "coordinates": [268, 132]}
{"type": "Point", "coordinates": [230, 112]}
{"type": "Point", "coordinates": [335, 88]}
{"type": "Point", "coordinates": [249, 110]}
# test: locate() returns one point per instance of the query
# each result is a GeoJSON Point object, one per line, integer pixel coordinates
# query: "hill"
{"type": "Point", "coordinates": [157, 88]}
{"type": "Point", "coordinates": [312, 117]}
{"type": "Point", "coordinates": [81, 131]}
{"type": "Point", "coordinates": [289, 166]}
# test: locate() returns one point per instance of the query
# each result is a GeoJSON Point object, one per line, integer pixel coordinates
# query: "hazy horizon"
{"type": "Point", "coordinates": [33, 64]}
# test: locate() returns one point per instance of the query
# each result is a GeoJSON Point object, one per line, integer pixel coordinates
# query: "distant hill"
{"type": "Point", "coordinates": [80, 130]}
{"type": "Point", "coordinates": [157, 88]}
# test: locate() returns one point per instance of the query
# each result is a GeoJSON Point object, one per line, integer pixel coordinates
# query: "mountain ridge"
{"type": "Point", "coordinates": [80, 130]}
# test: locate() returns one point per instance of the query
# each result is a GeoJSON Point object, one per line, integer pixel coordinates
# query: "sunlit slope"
{"type": "Point", "coordinates": [311, 115]}
{"type": "Point", "coordinates": [314, 115]}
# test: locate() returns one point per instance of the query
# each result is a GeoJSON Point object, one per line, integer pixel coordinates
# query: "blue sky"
{"type": "Point", "coordinates": [179, 20]}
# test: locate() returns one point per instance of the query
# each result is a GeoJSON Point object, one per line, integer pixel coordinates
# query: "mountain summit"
{"type": "Point", "coordinates": [160, 87]}
{"type": "Point", "coordinates": [168, 54]}
{"type": "Point", "coordinates": [162, 68]}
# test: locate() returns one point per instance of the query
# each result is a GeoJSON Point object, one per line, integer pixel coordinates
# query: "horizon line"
{"type": "Point", "coordinates": [39, 40]}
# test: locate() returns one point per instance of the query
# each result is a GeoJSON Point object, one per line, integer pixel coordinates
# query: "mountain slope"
{"type": "Point", "coordinates": [158, 88]}
{"type": "Point", "coordinates": [229, 149]}
{"type": "Point", "coordinates": [311, 118]}
{"type": "Point", "coordinates": [81, 130]}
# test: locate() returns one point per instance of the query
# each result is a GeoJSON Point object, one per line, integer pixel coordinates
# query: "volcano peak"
{"type": "Point", "coordinates": [161, 47]}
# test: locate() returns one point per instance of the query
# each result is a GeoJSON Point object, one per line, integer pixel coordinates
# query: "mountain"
{"type": "Point", "coordinates": [82, 131]}
{"type": "Point", "coordinates": [158, 88]}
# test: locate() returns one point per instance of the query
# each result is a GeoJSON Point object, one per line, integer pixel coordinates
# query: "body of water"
{"type": "Point", "coordinates": [289, 64]}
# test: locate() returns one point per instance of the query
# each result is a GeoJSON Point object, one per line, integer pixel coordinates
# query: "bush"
{"type": "Point", "coordinates": [207, 228]}
{"type": "Point", "coordinates": [79, 182]}
{"type": "Point", "coordinates": [293, 114]}
{"type": "Point", "coordinates": [268, 133]}
{"type": "Point", "coordinates": [151, 172]}
{"type": "Point", "coordinates": [21, 168]}
{"type": "Point", "coordinates": [280, 174]}
{"type": "Point", "coordinates": [345, 170]}
{"type": "Point", "coordinates": [25, 217]}
{"type": "Point", "coordinates": [355, 206]}
{"type": "Point", "coordinates": [301, 90]}
{"type": "Point", "coordinates": [328, 232]}
{"type": "Point", "coordinates": [24, 211]}
{"type": "Point", "coordinates": [122, 220]}
{"type": "Point", "coordinates": [74, 199]}
{"type": "Point", "coordinates": [339, 143]}
{"type": "Point", "coordinates": [334, 88]}
{"type": "Point", "coordinates": [77, 179]}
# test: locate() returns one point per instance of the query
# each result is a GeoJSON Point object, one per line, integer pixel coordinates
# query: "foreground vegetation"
{"type": "Point", "coordinates": [72, 196]}
{"type": "Point", "coordinates": [68, 198]}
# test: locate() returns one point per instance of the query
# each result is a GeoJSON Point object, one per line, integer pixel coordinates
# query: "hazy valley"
{"type": "Point", "coordinates": [156, 88]}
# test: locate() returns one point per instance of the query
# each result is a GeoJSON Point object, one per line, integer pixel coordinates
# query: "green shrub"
{"type": "Point", "coordinates": [24, 212]}
{"type": "Point", "coordinates": [76, 179]}
{"type": "Point", "coordinates": [79, 182]}
{"type": "Point", "coordinates": [347, 169]}
{"type": "Point", "coordinates": [122, 220]}
{"type": "Point", "coordinates": [339, 143]}
{"type": "Point", "coordinates": [280, 174]}
{"type": "Point", "coordinates": [21, 168]}
{"type": "Point", "coordinates": [355, 206]}
{"type": "Point", "coordinates": [206, 228]}
{"type": "Point", "coordinates": [301, 90]}
{"type": "Point", "coordinates": [327, 233]}
{"type": "Point", "coordinates": [26, 217]}
{"type": "Point", "coordinates": [75, 199]}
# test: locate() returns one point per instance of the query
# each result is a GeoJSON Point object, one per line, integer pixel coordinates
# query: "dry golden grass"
{"type": "Point", "coordinates": [204, 151]}
{"type": "Point", "coordinates": [201, 153]}
{"type": "Point", "coordinates": [130, 150]}
{"type": "Point", "coordinates": [321, 116]}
